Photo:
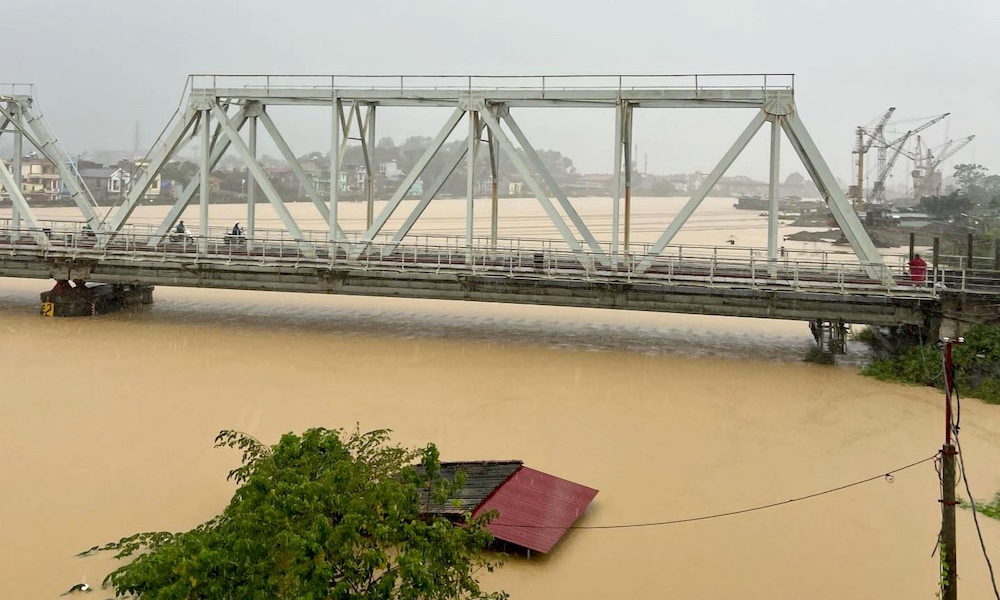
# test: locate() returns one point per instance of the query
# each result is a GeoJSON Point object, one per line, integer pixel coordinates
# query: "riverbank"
{"type": "Point", "coordinates": [977, 365]}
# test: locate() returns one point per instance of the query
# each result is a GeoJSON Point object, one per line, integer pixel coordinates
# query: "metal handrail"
{"type": "Point", "coordinates": [716, 271]}
{"type": "Point", "coordinates": [402, 83]}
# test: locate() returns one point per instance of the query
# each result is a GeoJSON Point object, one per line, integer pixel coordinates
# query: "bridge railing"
{"type": "Point", "coordinates": [825, 260]}
{"type": "Point", "coordinates": [406, 83]}
{"type": "Point", "coordinates": [724, 266]}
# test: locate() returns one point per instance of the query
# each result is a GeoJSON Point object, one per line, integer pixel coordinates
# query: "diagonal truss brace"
{"type": "Point", "coordinates": [550, 181]}
{"type": "Point", "coordinates": [174, 142]}
{"type": "Point", "coordinates": [533, 183]}
{"type": "Point", "coordinates": [219, 147]}
{"type": "Point", "coordinates": [265, 184]}
{"type": "Point", "coordinates": [836, 200]}
{"type": "Point", "coordinates": [296, 167]}
{"type": "Point", "coordinates": [431, 192]}
{"type": "Point", "coordinates": [36, 132]}
{"type": "Point", "coordinates": [7, 181]}
{"type": "Point", "coordinates": [407, 183]}
{"type": "Point", "coordinates": [692, 204]}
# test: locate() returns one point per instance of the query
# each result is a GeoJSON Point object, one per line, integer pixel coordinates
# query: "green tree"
{"type": "Point", "coordinates": [321, 516]}
{"type": "Point", "coordinates": [181, 172]}
{"type": "Point", "coordinates": [969, 175]}
{"type": "Point", "coordinates": [949, 207]}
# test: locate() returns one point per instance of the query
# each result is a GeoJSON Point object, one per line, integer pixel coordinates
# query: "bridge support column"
{"type": "Point", "coordinates": [772, 213]}
{"type": "Point", "coordinates": [830, 336]}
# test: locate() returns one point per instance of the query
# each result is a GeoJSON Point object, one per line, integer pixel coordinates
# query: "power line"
{"type": "Point", "coordinates": [888, 476]}
{"type": "Point", "coordinates": [968, 490]}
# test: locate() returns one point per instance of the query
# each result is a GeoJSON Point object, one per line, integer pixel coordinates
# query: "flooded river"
{"type": "Point", "coordinates": [107, 423]}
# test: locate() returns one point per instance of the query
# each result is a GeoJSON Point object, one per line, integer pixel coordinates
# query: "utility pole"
{"type": "Point", "coordinates": [949, 549]}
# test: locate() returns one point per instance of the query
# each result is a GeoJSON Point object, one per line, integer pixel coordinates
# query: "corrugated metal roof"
{"type": "Point", "coordinates": [536, 509]}
{"type": "Point", "coordinates": [483, 477]}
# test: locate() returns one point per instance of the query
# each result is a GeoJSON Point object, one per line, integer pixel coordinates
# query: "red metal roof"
{"type": "Point", "coordinates": [536, 509]}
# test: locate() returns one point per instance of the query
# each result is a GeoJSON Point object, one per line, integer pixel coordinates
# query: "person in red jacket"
{"type": "Point", "coordinates": [918, 269]}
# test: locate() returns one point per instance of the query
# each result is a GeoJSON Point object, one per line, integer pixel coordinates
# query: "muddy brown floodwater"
{"type": "Point", "coordinates": [107, 423]}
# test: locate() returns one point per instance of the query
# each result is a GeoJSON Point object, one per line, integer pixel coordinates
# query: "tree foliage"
{"type": "Point", "coordinates": [948, 207]}
{"type": "Point", "coordinates": [321, 516]}
{"type": "Point", "coordinates": [977, 365]}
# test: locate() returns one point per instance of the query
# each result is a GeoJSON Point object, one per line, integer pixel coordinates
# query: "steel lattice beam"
{"type": "Point", "coordinates": [713, 178]}
{"type": "Point", "coordinates": [487, 107]}
{"type": "Point", "coordinates": [408, 182]}
{"type": "Point", "coordinates": [219, 147]}
{"type": "Point", "coordinates": [836, 200]}
{"type": "Point", "coordinates": [266, 187]}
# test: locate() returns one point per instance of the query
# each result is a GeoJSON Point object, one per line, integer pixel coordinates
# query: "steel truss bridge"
{"type": "Point", "coordinates": [224, 113]}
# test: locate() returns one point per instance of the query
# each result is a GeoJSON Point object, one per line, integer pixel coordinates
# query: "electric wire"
{"type": "Point", "coordinates": [887, 476]}
{"type": "Point", "coordinates": [965, 480]}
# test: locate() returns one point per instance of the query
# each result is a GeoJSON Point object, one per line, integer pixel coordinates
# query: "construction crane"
{"type": "Point", "coordinates": [926, 177]}
{"type": "Point", "coordinates": [865, 138]}
{"type": "Point", "coordinates": [877, 193]}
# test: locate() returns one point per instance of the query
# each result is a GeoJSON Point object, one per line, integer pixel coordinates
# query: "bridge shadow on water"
{"type": "Point", "coordinates": [597, 330]}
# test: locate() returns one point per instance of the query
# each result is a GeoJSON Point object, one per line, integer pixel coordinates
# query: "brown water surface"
{"type": "Point", "coordinates": [106, 428]}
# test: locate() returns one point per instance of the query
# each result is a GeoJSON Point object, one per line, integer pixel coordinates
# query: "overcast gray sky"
{"type": "Point", "coordinates": [102, 65]}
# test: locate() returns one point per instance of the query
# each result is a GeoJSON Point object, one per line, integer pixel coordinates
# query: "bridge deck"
{"type": "Point", "coordinates": [704, 282]}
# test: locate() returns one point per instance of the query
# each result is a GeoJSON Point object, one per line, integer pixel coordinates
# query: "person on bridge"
{"type": "Point", "coordinates": [181, 228]}
{"type": "Point", "coordinates": [237, 230]}
{"type": "Point", "coordinates": [918, 269]}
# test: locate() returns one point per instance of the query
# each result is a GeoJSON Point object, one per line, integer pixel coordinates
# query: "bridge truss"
{"type": "Point", "coordinates": [226, 112]}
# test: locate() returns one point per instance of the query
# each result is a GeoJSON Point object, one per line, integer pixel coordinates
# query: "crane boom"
{"type": "Point", "coordinates": [877, 193]}
{"type": "Point", "coordinates": [917, 130]}
{"type": "Point", "coordinates": [946, 154]}
{"type": "Point", "coordinates": [877, 133]}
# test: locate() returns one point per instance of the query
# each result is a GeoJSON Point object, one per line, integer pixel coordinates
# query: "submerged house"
{"type": "Point", "coordinates": [534, 509]}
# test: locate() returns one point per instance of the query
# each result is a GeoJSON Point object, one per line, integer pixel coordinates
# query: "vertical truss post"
{"type": "Point", "coordinates": [366, 152]}
{"type": "Point", "coordinates": [627, 146]}
{"type": "Point", "coordinates": [616, 181]}
{"type": "Point", "coordinates": [535, 161]}
{"type": "Point", "coordinates": [494, 200]}
{"type": "Point", "coordinates": [470, 182]}
{"type": "Point", "coordinates": [371, 167]}
{"type": "Point", "coordinates": [206, 169]}
{"type": "Point", "coordinates": [772, 213]}
{"type": "Point", "coordinates": [337, 108]}
{"type": "Point", "coordinates": [407, 183]}
{"type": "Point", "coordinates": [706, 187]}
{"type": "Point", "coordinates": [251, 183]}
{"type": "Point", "coordinates": [836, 200]}
{"type": "Point", "coordinates": [18, 154]}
